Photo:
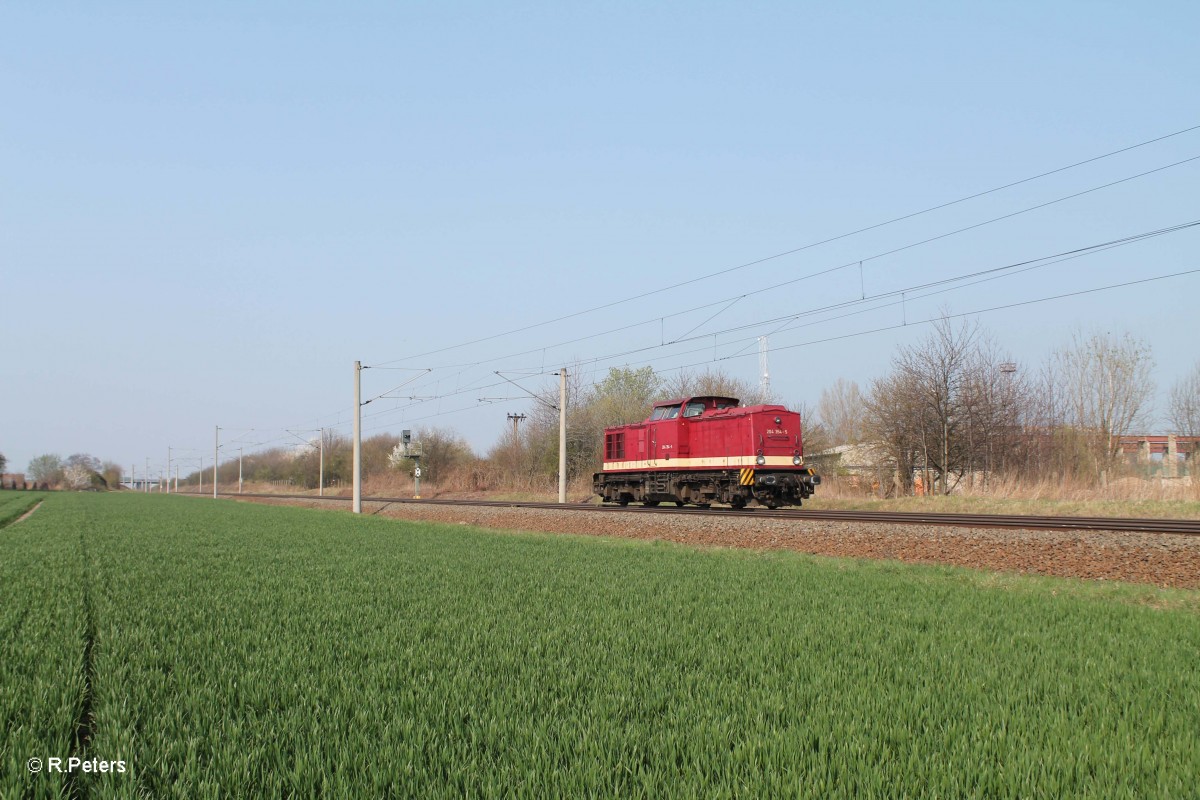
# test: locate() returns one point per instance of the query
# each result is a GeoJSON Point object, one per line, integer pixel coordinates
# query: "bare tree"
{"type": "Point", "coordinates": [88, 462]}
{"type": "Point", "coordinates": [937, 369]}
{"type": "Point", "coordinates": [992, 409]}
{"type": "Point", "coordinates": [891, 426]}
{"type": "Point", "coordinates": [815, 431]}
{"type": "Point", "coordinates": [947, 408]}
{"type": "Point", "coordinates": [1106, 387]}
{"type": "Point", "coordinates": [1184, 408]}
{"type": "Point", "coordinates": [686, 383]}
{"type": "Point", "coordinates": [841, 410]}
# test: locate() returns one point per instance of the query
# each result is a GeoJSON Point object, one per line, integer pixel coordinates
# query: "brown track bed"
{"type": "Point", "coordinates": [1161, 559]}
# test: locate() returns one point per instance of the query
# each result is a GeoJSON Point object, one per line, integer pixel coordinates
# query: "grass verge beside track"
{"type": "Point", "coordinates": [976, 504]}
{"type": "Point", "coordinates": [268, 651]}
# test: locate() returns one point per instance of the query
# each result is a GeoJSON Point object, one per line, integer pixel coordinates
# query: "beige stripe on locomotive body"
{"type": "Point", "coordinates": [729, 462]}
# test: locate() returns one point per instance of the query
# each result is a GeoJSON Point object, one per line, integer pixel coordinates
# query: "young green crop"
{"type": "Point", "coordinates": [13, 505]}
{"type": "Point", "coordinates": [43, 624]}
{"type": "Point", "coordinates": [254, 651]}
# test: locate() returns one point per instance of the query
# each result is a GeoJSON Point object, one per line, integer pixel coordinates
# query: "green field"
{"type": "Point", "coordinates": [13, 504]}
{"type": "Point", "coordinates": [234, 650]}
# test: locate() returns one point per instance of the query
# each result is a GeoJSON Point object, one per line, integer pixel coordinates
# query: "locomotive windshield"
{"type": "Point", "coordinates": [691, 407]}
{"type": "Point", "coordinates": [664, 412]}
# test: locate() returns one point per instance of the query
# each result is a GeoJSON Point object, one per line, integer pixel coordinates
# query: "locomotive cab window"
{"type": "Point", "coordinates": [614, 446]}
{"type": "Point", "coordinates": [664, 412]}
{"type": "Point", "coordinates": [694, 408]}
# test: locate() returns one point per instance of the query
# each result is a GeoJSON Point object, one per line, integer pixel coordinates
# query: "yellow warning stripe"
{"type": "Point", "coordinates": [747, 477]}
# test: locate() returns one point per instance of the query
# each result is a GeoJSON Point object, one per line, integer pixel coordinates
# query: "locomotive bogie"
{"type": "Point", "coordinates": [729, 487]}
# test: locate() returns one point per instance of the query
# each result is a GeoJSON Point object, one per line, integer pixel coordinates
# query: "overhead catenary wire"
{"type": "Point", "coordinates": [423, 371]}
{"type": "Point", "coordinates": [814, 244]}
{"type": "Point", "coordinates": [908, 323]}
{"type": "Point", "coordinates": [1004, 307]}
{"type": "Point", "coordinates": [775, 285]}
{"type": "Point", "coordinates": [386, 365]}
{"type": "Point", "coordinates": [882, 329]}
{"type": "Point", "coordinates": [1014, 268]}
{"type": "Point", "coordinates": [340, 414]}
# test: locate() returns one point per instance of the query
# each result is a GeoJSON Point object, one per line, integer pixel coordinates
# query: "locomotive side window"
{"type": "Point", "coordinates": [659, 413]}
{"type": "Point", "coordinates": [672, 412]}
{"type": "Point", "coordinates": [614, 446]}
{"type": "Point", "coordinates": [694, 409]}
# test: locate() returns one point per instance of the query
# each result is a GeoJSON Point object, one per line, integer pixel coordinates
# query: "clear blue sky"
{"type": "Point", "coordinates": [208, 211]}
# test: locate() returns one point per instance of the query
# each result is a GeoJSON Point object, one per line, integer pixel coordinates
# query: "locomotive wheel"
{"type": "Point", "coordinates": [738, 502]}
{"type": "Point", "coordinates": [680, 503]}
{"type": "Point", "coordinates": [624, 501]}
{"type": "Point", "coordinates": [650, 503]}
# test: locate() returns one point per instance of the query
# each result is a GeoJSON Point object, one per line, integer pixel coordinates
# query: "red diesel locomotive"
{"type": "Point", "coordinates": [706, 450]}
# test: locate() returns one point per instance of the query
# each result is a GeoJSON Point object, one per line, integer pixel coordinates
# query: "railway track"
{"type": "Point", "coordinates": [1183, 527]}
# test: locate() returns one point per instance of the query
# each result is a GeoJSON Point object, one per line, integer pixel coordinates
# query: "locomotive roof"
{"type": "Point", "coordinates": [681, 400]}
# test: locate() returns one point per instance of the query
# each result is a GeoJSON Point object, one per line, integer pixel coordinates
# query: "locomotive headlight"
{"type": "Point", "coordinates": [760, 460]}
{"type": "Point", "coordinates": [797, 460]}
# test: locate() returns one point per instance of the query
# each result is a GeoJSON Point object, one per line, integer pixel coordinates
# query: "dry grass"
{"type": "Point", "coordinates": [1123, 497]}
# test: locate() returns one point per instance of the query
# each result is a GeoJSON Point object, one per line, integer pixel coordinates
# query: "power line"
{"type": "Point", "coordinates": [809, 246]}
{"type": "Point", "coordinates": [1004, 307]}
{"type": "Point", "coordinates": [819, 273]}
{"type": "Point", "coordinates": [732, 301]}
{"type": "Point", "coordinates": [908, 323]}
{"type": "Point", "coordinates": [384, 365]}
{"type": "Point", "coordinates": [1001, 271]}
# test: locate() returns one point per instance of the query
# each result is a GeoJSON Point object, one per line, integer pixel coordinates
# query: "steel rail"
{"type": "Point", "coordinates": [1181, 527]}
